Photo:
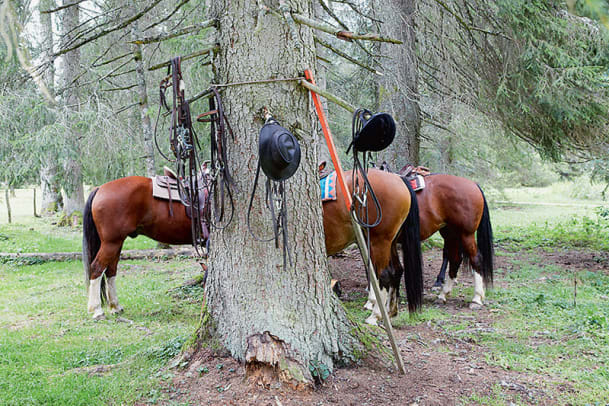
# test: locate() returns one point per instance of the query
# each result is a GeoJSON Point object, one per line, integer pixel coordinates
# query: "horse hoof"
{"type": "Point", "coordinates": [117, 310]}
{"type": "Point", "coordinates": [475, 306]}
{"type": "Point", "coordinates": [441, 299]}
{"type": "Point", "coordinates": [368, 306]}
{"type": "Point", "coordinates": [372, 320]}
{"type": "Point", "coordinates": [99, 316]}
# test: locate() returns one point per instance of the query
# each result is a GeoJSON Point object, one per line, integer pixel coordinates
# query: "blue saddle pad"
{"type": "Point", "coordinates": [328, 187]}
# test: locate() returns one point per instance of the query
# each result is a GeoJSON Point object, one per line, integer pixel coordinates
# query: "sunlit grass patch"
{"type": "Point", "coordinates": [544, 328]}
{"type": "Point", "coordinates": [51, 352]}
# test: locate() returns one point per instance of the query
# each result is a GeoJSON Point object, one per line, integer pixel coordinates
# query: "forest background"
{"type": "Point", "coordinates": [511, 93]}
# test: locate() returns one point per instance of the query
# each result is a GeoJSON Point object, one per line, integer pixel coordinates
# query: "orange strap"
{"type": "Point", "coordinates": [329, 141]}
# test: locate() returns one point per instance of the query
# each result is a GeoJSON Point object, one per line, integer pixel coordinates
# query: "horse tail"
{"type": "Point", "coordinates": [484, 239]}
{"type": "Point", "coordinates": [90, 243]}
{"type": "Point", "coordinates": [410, 239]}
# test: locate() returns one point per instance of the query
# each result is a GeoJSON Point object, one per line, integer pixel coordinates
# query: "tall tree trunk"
{"type": "Point", "coordinates": [50, 186]}
{"type": "Point", "coordinates": [35, 211]}
{"type": "Point", "coordinates": [8, 204]}
{"type": "Point", "coordinates": [49, 176]}
{"type": "Point", "coordinates": [399, 84]}
{"type": "Point", "coordinates": [275, 319]}
{"type": "Point", "coordinates": [143, 102]}
{"type": "Point", "coordinates": [74, 200]}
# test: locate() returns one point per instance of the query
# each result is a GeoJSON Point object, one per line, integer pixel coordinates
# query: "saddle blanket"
{"type": "Point", "coordinates": [328, 187]}
{"type": "Point", "coordinates": [417, 182]}
{"type": "Point", "coordinates": [160, 188]}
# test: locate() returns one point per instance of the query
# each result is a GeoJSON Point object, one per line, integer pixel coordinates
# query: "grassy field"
{"type": "Point", "coordinates": [52, 353]}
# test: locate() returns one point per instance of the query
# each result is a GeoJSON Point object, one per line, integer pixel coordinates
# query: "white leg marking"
{"type": "Point", "coordinates": [478, 289]}
{"type": "Point", "coordinates": [371, 299]}
{"type": "Point", "coordinates": [447, 288]}
{"type": "Point", "coordinates": [95, 299]}
{"type": "Point", "coordinates": [376, 312]}
{"type": "Point", "coordinates": [115, 308]}
{"type": "Point", "coordinates": [392, 305]}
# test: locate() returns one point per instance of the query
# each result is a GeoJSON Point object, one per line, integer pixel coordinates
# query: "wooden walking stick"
{"type": "Point", "coordinates": [361, 242]}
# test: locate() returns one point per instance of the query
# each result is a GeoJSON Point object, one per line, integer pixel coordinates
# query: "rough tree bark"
{"type": "Point", "coordinates": [74, 200]}
{"type": "Point", "coordinates": [398, 87]}
{"type": "Point", "coordinates": [49, 178]}
{"type": "Point", "coordinates": [279, 321]}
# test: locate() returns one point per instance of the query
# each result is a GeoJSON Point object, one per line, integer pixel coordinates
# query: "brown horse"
{"type": "Point", "coordinates": [116, 210]}
{"type": "Point", "coordinates": [399, 223]}
{"type": "Point", "coordinates": [457, 208]}
{"type": "Point", "coordinates": [125, 207]}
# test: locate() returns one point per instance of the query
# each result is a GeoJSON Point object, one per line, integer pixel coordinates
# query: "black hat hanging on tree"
{"type": "Point", "coordinates": [370, 132]}
{"type": "Point", "coordinates": [279, 158]}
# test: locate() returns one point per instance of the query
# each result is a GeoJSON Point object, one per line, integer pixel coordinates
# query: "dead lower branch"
{"type": "Point", "coordinates": [177, 33]}
{"type": "Point", "coordinates": [344, 55]}
{"type": "Point", "coordinates": [187, 57]}
{"type": "Point", "coordinates": [105, 32]}
{"type": "Point", "coordinates": [327, 95]}
{"type": "Point", "coordinates": [61, 7]}
{"type": "Point", "coordinates": [168, 16]}
{"type": "Point", "coordinates": [344, 35]}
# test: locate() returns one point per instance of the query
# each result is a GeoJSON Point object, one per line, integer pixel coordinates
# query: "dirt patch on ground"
{"type": "Point", "coordinates": [443, 368]}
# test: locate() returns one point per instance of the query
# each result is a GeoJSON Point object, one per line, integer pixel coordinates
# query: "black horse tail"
{"type": "Point", "coordinates": [484, 239]}
{"type": "Point", "coordinates": [90, 243]}
{"type": "Point", "coordinates": [410, 239]}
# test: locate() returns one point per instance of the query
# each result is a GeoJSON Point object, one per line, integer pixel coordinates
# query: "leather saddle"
{"type": "Point", "coordinates": [165, 187]}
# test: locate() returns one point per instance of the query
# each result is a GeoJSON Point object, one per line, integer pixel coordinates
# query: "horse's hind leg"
{"type": "Point", "coordinates": [107, 255]}
{"type": "Point", "coordinates": [392, 276]}
{"type": "Point", "coordinates": [451, 249]}
{"type": "Point", "coordinates": [471, 250]}
{"type": "Point", "coordinates": [442, 275]}
{"type": "Point", "coordinates": [380, 253]}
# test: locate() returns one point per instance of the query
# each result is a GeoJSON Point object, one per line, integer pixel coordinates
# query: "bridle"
{"type": "Point", "coordinates": [184, 143]}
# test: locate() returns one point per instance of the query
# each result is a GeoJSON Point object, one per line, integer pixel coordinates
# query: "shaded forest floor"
{"type": "Point", "coordinates": [505, 353]}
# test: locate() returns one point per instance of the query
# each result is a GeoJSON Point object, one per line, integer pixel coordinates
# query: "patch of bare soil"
{"type": "Point", "coordinates": [443, 368]}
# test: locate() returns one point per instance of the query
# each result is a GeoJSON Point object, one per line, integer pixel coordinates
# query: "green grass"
{"type": "Point", "coordinates": [538, 329]}
{"type": "Point", "coordinates": [49, 346]}
{"type": "Point", "coordinates": [542, 331]}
